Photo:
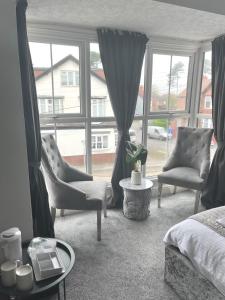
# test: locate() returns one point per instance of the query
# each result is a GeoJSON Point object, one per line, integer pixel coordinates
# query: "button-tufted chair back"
{"type": "Point", "coordinates": [192, 149]}
{"type": "Point", "coordinates": [51, 158]}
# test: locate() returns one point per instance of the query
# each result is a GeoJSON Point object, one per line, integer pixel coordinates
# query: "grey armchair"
{"type": "Point", "coordinates": [69, 188]}
{"type": "Point", "coordinates": [188, 165]}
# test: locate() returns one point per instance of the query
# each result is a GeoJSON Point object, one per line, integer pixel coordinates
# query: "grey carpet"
{"type": "Point", "coordinates": [128, 263]}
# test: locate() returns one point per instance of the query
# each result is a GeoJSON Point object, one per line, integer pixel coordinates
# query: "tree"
{"type": "Point", "coordinates": [174, 74]}
{"type": "Point", "coordinates": [94, 59]}
{"type": "Point", "coordinates": [160, 122]}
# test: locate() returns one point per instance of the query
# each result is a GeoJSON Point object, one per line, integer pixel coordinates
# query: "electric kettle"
{"type": "Point", "coordinates": [10, 245]}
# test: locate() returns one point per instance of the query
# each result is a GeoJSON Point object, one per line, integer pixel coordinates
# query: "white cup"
{"type": "Point", "coordinates": [24, 278]}
{"type": "Point", "coordinates": [8, 273]}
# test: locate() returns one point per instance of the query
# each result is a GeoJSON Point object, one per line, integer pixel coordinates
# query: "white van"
{"type": "Point", "coordinates": [159, 133]}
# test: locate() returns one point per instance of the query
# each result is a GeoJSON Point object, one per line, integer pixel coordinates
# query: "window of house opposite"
{"type": "Point", "coordinates": [98, 106]}
{"type": "Point", "coordinates": [69, 78]}
{"type": "Point", "coordinates": [99, 142]}
{"type": "Point", "coordinates": [45, 105]}
{"type": "Point", "coordinates": [208, 102]}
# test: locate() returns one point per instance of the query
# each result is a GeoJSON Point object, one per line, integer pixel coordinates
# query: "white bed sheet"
{"type": "Point", "coordinates": [204, 247]}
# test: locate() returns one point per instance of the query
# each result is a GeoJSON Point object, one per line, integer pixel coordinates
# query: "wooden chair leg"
{"type": "Point", "coordinates": [53, 213]}
{"type": "Point", "coordinates": [197, 200]}
{"type": "Point", "coordinates": [174, 190]}
{"type": "Point", "coordinates": [159, 194]}
{"type": "Point", "coordinates": [61, 212]}
{"type": "Point", "coordinates": [99, 216]}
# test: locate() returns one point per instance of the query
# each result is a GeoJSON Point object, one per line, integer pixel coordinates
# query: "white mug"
{"type": "Point", "coordinates": [8, 273]}
{"type": "Point", "coordinates": [24, 278]}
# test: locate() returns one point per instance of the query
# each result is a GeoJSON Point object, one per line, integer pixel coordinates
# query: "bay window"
{"type": "Point", "coordinates": [74, 103]}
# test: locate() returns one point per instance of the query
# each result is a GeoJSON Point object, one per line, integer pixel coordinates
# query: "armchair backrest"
{"type": "Point", "coordinates": [51, 158]}
{"type": "Point", "coordinates": [192, 148]}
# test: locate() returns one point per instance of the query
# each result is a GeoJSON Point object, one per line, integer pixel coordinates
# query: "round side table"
{"type": "Point", "coordinates": [136, 198]}
{"type": "Point", "coordinates": [45, 286]}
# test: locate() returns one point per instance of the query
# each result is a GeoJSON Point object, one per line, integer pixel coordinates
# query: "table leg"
{"type": "Point", "coordinates": [64, 288]}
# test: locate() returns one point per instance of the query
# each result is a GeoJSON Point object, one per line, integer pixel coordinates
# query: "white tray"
{"type": "Point", "coordinates": [47, 265]}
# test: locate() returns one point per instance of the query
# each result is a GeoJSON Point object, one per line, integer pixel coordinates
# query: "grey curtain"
{"type": "Point", "coordinates": [122, 54]}
{"type": "Point", "coordinates": [214, 193]}
{"type": "Point", "coordinates": [42, 222]}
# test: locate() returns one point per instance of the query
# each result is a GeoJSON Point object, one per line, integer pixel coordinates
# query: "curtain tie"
{"type": "Point", "coordinates": [123, 134]}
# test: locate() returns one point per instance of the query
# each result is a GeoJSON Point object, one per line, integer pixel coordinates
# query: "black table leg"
{"type": "Point", "coordinates": [64, 288]}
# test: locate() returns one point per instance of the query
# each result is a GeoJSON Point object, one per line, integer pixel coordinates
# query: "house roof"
{"type": "Point", "coordinates": [41, 72]}
{"type": "Point", "coordinates": [98, 73]}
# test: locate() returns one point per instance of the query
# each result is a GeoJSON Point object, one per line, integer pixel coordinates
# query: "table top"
{"type": "Point", "coordinates": [145, 184]}
{"type": "Point", "coordinates": [67, 256]}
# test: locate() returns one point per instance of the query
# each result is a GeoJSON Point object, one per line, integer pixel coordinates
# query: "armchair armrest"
{"type": "Point", "coordinates": [65, 196]}
{"type": "Point", "coordinates": [73, 174]}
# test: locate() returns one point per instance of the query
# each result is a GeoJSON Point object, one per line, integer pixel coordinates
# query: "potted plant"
{"type": "Point", "coordinates": [136, 157]}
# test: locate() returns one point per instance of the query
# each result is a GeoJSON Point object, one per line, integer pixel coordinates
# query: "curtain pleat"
{"type": "Point", "coordinates": [122, 54]}
{"type": "Point", "coordinates": [42, 221]}
{"type": "Point", "coordinates": [214, 192]}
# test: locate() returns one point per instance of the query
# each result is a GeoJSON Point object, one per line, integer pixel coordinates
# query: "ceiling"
{"type": "Point", "coordinates": [151, 17]}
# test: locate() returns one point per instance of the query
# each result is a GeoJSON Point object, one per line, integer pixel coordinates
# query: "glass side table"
{"type": "Point", "coordinates": [45, 286]}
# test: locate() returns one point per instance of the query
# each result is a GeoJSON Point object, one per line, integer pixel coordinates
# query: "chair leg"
{"type": "Point", "coordinates": [174, 190]}
{"type": "Point", "coordinates": [99, 215]}
{"type": "Point", "coordinates": [159, 194]}
{"type": "Point", "coordinates": [61, 212]}
{"type": "Point", "coordinates": [53, 213]}
{"type": "Point", "coordinates": [104, 205]}
{"type": "Point", "coordinates": [197, 200]}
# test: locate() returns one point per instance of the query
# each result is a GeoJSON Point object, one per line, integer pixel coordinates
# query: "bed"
{"type": "Point", "coordinates": [195, 256]}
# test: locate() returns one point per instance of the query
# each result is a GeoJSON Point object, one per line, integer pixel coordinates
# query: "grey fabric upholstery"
{"type": "Point", "coordinates": [182, 176]}
{"type": "Point", "coordinates": [188, 165]}
{"type": "Point", "coordinates": [69, 188]}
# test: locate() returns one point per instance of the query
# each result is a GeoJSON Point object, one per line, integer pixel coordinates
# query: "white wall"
{"type": "Point", "coordinates": [15, 209]}
{"type": "Point", "coordinates": [214, 6]}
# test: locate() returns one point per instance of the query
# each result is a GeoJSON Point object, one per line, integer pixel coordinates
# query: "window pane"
{"type": "Point", "coordinates": [99, 88]}
{"type": "Point", "coordinates": [178, 83]}
{"type": "Point", "coordinates": [41, 59]}
{"type": "Point", "coordinates": [98, 85]}
{"type": "Point", "coordinates": [104, 142]}
{"type": "Point", "coordinates": [169, 82]}
{"type": "Point", "coordinates": [71, 143]}
{"type": "Point", "coordinates": [205, 105]}
{"type": "Point", "coordinates": [103, 149]}
{"type": "Point", "coordinates": [66, 70]}
{"type": "Point", "coordinates": [162, 135]}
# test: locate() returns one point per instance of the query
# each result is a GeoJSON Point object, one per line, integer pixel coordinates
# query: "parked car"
{"type": "Point", "coordinates": [159, 133]}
